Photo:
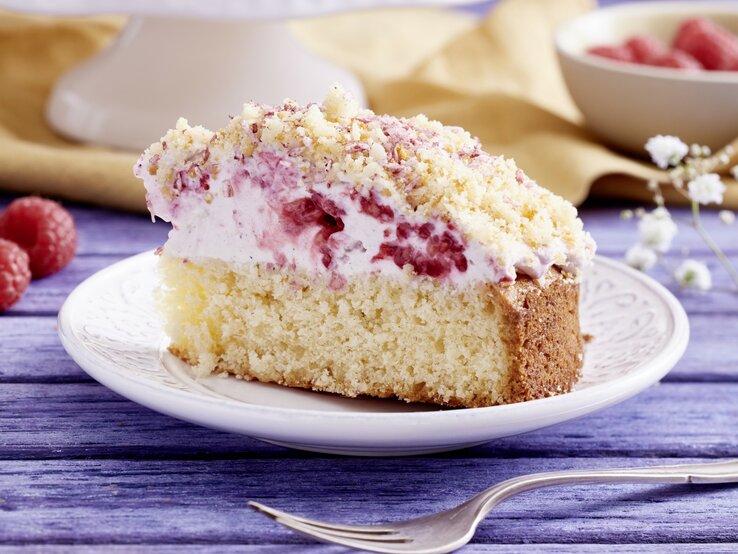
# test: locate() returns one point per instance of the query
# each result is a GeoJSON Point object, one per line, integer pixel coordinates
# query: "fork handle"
{"type": "Point", "coordinates": [701, 473]}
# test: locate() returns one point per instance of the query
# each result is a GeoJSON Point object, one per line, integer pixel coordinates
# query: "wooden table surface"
{"type": "Point", "coordinates": [83, 469]}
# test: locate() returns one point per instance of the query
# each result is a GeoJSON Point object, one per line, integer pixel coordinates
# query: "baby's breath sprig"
{"type": "Point", "coordinates": [692, 171]}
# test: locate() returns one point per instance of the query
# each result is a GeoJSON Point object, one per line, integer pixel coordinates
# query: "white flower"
{"type": "Point", "coordinates": [726, 216]}
{"type": "Point", "coordinates": [641, 257]}
{"type": "Point", "coordinates": [666, 150]}
{"type": "Point", "coordinates": [656, 230]}
{"type": "Point", "coordinates": [692, 274]}
{"type": "Point", "coordinates": [706, 189]}
{"type": "Point", "coordinates": [626, 214]}
{"type": "Point", "coordinates": [734, 171]}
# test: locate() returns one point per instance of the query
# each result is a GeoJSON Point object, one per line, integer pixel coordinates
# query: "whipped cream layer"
{"type": "Point", "coordinates": [336, 191]}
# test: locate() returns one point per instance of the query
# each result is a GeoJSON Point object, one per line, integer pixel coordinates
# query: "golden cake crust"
{"type": "Point", "coordinates": [544, 340]}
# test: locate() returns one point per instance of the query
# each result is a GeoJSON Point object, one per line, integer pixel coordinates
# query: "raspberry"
{"type": "Point", "coordinates": [371, 206]}
{"type": "Point", "coordinates": [619, 53]}
{"type": "Point", "coordinates": [442, 252]}
{"type": "Point", "coordinates": [314, 211]}
{"type": "Point", "coordinates": [645, 49]}
{"type": "Point", "coordinates": [14, 273]}
{"type": "Point", "coordinates": [678, 60]}
{"type": "Point", "coordinates": [44, 230]}
{"type": "Point", "coordinates": [713, 46]}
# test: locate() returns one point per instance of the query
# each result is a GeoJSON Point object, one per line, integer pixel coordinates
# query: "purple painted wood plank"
{"type": "Point", "coordinates": [710, 356]}
{"type": "Point", "coordinates": [118, 235]}
{"type": "Point", "coordinates": [81, 420]}
{"type": "Point", "coordinates": [615, 235]}
{"type": "Point", "coordinates": [550, 548]}
{"type": "Point", "coordinates": [31, 352]}
{"type": "Point", "coordinates": [204, 501]}
{"type": "Point", "coordinates": [316, 548]}
{"type": "Point", "coordinates": [111, 232]}
{"type": "Point", "coordinates": [115, 233]}
{"type": "Point", "coordinates": [46, 296]}
{"type": "Point", "coordinates": [136, 492]}
{"type": "Point", "coordinates": [218, 547]}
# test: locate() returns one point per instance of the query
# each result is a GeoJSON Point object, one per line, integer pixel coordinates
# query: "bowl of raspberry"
{"type": "Point", "coordinates": [641, 69]}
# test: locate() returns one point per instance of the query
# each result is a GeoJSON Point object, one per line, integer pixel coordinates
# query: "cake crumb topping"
{"type": "Point", "coordinates": [421, 168]}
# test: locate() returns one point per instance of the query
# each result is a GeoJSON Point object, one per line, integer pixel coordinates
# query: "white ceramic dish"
{"type": "Point", "coordinates": [191, 58]}
{"type": "Point", "coordinates": [221, 10]}
{"type": "Point", "coordinates": [627, 103]}
{"type": "Point", "coordinates": [110, 327]}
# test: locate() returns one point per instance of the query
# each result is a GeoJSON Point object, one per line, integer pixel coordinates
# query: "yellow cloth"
{"type": "Point", "coordinates": [498, 78]}
{"type": "Point", "coordinates": [34, 52]}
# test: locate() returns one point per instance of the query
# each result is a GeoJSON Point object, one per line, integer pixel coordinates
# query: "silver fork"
{"type": "Point", "coordinates": [446, 531]}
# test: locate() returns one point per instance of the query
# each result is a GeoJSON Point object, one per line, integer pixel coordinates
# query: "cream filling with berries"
{"type": "Point", "coordinates": [329, 231]}
{"type": "Point", "coordinates": [331, 190]}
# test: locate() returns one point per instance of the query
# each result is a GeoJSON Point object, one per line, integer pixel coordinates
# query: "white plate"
{"type": "Point", "coordinates": [111, 329]}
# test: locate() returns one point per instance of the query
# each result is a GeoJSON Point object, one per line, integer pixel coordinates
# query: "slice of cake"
{"type": "Point", "coordinates": [329, 248]}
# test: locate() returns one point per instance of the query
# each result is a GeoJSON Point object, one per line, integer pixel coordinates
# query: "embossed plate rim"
{"type": "Point", "coordinates": [367, 432]}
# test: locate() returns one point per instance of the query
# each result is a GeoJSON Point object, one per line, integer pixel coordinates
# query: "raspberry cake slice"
{"type": "Point", "coordinates": [329, 248]}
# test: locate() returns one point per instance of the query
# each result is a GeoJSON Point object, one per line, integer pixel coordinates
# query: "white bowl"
{"type": "Point", "coordinates": [626, 103]}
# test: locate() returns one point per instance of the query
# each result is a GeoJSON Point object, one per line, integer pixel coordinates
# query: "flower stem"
{"type": "Point", "coordinates": [711, 244]}
{"type": "Point", "coordinates": [661, 261]}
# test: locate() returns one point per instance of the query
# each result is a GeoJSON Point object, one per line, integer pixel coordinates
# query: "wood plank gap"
{"type": "Point", "coordinates": [24, 313]}
{"type": "Point", "coordinates": [300, 541]}
{"type": "Point", "coordinates": [501, 453]}
{"type": "Point", "coordinates": [82, 379]}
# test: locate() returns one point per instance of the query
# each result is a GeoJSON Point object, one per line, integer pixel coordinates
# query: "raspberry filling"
{"type": "Point", "coordinates": [371, 206]}
{"type": "Point", "coordinates": [315, 210]}
{"type": "Point", "coordinates": [277, 214]}
{"type": "Point", "coordinates": [431, 249]}
{"type": "Point", "coordinates": [430, 253]}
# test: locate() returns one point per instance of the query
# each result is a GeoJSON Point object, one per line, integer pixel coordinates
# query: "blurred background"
{"type": "Point", "coordinates": [87, 85]}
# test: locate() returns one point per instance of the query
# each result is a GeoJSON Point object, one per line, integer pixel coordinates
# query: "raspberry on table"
{"type": "Point", "coordinates": [620, 53]}
{"type": "Point", "coordinates": [15, 275]}
{"type": "Point", "coordinates": [44, 229]}
{"type": "Point", "coordinates": [715, 47]}
{"type": "Point", "coordinates": [646, 49]}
